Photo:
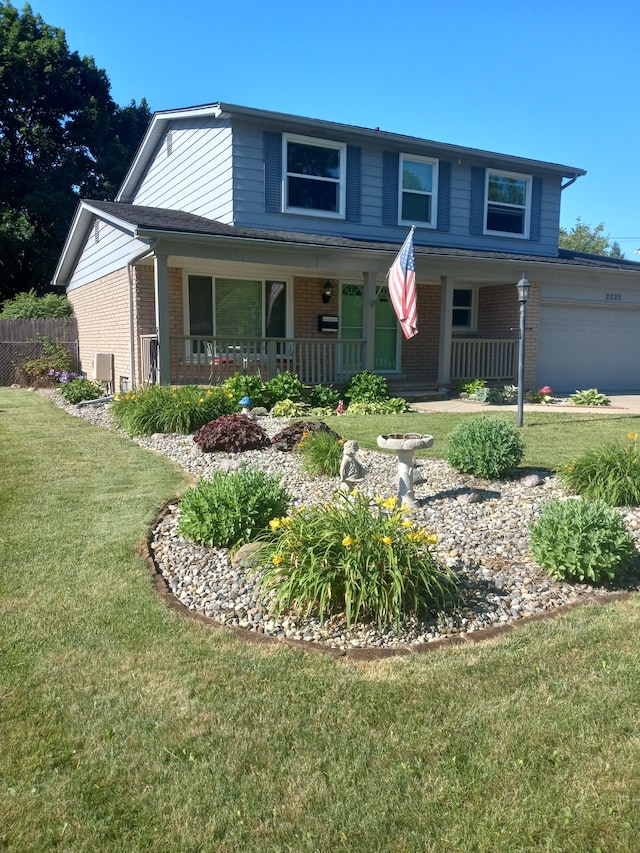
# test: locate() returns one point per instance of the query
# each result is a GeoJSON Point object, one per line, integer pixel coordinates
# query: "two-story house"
{"type": "Point", "coordinates": [250, 240]}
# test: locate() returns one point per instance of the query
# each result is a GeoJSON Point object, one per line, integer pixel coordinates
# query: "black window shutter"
{"type": "Point", "coordinates": [536, 209]}
{"type": "Point", "coordinates": [390, 178]}
{"type": "Point", "coordinates": [272, 171]}
{"type": "Point", "coordinates": [354, 159]}
{"type": "Point", "coordinates": [444, 195]}
{"type": "Point", "coordinates": [476, 221]}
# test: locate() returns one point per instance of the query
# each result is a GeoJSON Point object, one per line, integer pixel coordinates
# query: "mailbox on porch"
{"type": "Point", "coordinates": [327, 323]}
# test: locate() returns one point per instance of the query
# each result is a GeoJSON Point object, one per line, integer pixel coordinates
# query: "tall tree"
{"type": "Point", "coordinates": [61, 137]}
{"type": "Point", "coordinates": [592, 241]}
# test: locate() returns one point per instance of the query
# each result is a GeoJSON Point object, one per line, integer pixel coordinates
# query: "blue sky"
{"type": "Point", "coordinates": [554, 81]}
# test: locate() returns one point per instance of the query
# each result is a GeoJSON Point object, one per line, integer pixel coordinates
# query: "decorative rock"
{"type": "Point", "coordinates": [230, 465]}
{"type": "Point", "coordinates": [245, 556]}
{"type": "Point", "coordinates": [531, 481]}
{"type": "Point", "coordinates": [472, 497]}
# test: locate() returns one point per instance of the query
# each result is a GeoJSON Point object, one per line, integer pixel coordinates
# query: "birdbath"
{"type": "Point", "coordinates": [404, 447]}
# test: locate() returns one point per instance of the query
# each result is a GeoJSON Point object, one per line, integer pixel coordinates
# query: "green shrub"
{"type": "Point", "coordinates": [349, 557]}
{"type": "Point", "coordinates": [486, 447]}
{"type": "Point", "coordinates": [290, 437]}
{"type": "Point", "coordinates": [239, 386]}
{"type": "Point", "coordinates": [487, 395]}
{"type": "Point", "coordinates": [289, 409]}
{"type": "Point", "coordinates": [231, 509]}
{"type": "Point", "coordinates": [321, 453]}
{"type": "Point", "coordinates": [77, 390]}
{"type": "Point", "coordinates": [392, 406]}
{"type": "Point", "coordinates": [581, 540]}
{"type": "Point", "coordinates": [25, 306]}
{"type": "Point", "coordinates": [323, 397]}
{"type": "Point", "coordinates": [367, 387]}
{"type": "Point", "coordinates": [284, 386]}
{"type": "Point", "coordinates": [589, 397]}
{"type": "Point", "coordinates": [231, 433]}
{"type": "Point", "coordinates": [46, 368]}
{"type": "Point", "coordinates": [471, 386]}
{"type": "Point", "coordinates": [162, 408]}
{"type": "Point", "coordinates": [610, 473]}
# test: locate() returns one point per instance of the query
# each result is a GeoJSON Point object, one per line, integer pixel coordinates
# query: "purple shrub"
{"type": "Point", "coordinates": [231, 433]}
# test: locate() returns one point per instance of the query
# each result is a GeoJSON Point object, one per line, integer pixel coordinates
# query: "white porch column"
{"type": "Point", "coordinates": [369, 319]}
{"type": "Point", "coordinates": [446, 313]}
{"type": "Point", "coordinates": [161, 281]}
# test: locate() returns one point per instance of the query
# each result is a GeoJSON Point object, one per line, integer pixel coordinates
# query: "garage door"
{"type": "Point", "coordinates": [589, 347]}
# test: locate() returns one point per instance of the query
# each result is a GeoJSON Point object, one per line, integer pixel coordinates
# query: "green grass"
{"type": "Point", "coordinates": [551, 438]}
{"type": "Point", "coordinates": [126, 727]}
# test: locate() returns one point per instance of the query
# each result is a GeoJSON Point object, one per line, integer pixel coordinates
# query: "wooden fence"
{"type": "Point", "coordinates": [21, 340]}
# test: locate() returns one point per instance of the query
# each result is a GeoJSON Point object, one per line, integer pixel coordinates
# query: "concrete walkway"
{"type": "Point", "coordinates": [621, 404]}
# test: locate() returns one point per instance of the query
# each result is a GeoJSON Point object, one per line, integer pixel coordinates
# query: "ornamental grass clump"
{"type": "Point", "coordinates": [610, 473]}
{"type": "Point", "coordinates": [161, 408]}
{"type": "Point", "coordinates": [231, 509]}
{"type": "Point", "coordinates": [231, 433]}
{"type": "Point", "coordinates": [321, 453]}
{"type": "Point", "coordinates": [487, 447]}
{"type": "Point", "coordinates": [356, 558]}
{"type": "Point", "coordinates": [581, 540]}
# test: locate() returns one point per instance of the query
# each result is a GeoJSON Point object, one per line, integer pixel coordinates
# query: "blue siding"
{"type": "Point", "coordinates": [372, 197]}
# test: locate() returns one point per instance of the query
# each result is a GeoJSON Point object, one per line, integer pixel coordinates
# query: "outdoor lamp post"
{"type": "Point", "coordinates": [523, 294]}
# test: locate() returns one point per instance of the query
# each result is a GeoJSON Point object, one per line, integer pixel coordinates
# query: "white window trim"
{"type": "Point", "coordinates": [527, 208]}
{"type": "Point", "coordinates": [419, 223]}
{"type": "Point", "coordinates": [342, 181]}
{"type": "Point", "coordinates": [473, 328]}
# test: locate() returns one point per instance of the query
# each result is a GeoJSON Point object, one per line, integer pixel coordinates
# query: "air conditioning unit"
{"type": "Point", "coordinates": [103, 367]}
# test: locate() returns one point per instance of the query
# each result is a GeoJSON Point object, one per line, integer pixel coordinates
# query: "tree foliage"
{"type": "Point", "coordinates": [592, 241]}
{"type": "Point", "coordinates": [62, 137]}
{"type": "Point", "coordinates": [27, 306]}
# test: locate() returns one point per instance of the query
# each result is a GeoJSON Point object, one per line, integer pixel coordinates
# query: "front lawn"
{"type": "Point", "coordinates": [126, 727]}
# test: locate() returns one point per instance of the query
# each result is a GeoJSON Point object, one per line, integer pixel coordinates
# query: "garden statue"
{"type": "Point", "coordinates": [351, 469]}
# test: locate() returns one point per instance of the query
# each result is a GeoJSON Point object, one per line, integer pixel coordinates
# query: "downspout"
{"type": "Point", "coordinates": [132, 347]}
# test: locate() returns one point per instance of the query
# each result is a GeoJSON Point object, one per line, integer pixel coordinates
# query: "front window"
{"type": "Point", "coordinates": [418, 189]}
{"type": "Point", "coordinates": [462, 315]}
{"type": "Point", "coordinates": [230, 308]}
{"type": "Point", "coordinates": [508, 202]}
{"type": "Point", "coordinates": [314, 176]}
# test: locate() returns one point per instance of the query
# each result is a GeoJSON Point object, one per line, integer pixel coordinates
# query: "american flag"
{"type": "Point", "coordinates": [402, 288]}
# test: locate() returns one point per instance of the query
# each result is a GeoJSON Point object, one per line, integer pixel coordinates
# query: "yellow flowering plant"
{"type": "Point", "coordinates": [610, 473]}
{"type": "Point", "coordinates": [356, 557]}
{"type": "Point", "coordinates": [162, 408]}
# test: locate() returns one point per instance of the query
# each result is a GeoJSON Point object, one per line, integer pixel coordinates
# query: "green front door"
{"type": "Point", "coordinates": [352, 328]}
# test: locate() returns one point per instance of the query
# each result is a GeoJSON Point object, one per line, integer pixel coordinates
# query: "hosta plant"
{"type": "Point", "coordinates": [161, 408]}
{"type": "Point", "coordinates": [392, 406]}
{"type": "Point", "coordinates": [589, 397]}
{"type": "Point", "coordinates": [284, 386]}
{"type": "Point", "coordinates": [231, 509]}
{"type": "Point", "coordinates": [354, 557]}
{"type": "Point", "coordinates": [323, 396]}
{"type": "Point", "coordinates": [289, 409]}
{"type": "Point", "coordinates": [76, 390]}
{"type": "Point", "coordinates": [367, 387]}
{"type": "Point", "coordinates": [239, 386]}
{"type": "Point", "coordinates": [610, 473]}
{"type": "Point", "coordinates": [290, 437]}
{"type": "Point", "coordinates": [231, 433]}
{"type": "Point", "coordinates": [581, 540]}
{"type": "Point", "coordinates": [485, 446]}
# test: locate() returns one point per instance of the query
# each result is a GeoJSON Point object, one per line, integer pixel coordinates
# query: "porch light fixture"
{"type": "Point", "coordinates": [327, 292]}
{"type": "Point", "coordinates": [523, 294]}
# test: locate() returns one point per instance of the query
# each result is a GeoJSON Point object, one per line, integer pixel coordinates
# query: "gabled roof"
{"type": "Point", "coordinates": [162, 121]}
{"type": "Point", "coordinates": [149, 224]}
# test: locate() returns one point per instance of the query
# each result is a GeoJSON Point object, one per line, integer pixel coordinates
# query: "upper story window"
{"type": "Point", "coordinates": [418, 202]}
{"type": "Point", "coordinates": [314, 176]}
{"type": "Point", "coordinates": [508, 203]}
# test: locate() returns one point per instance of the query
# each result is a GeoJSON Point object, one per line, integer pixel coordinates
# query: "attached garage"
{"type": "Point", "coordinates": [589, 346]}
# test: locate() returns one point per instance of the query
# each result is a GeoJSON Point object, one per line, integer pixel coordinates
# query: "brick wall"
{"type": "Point", "coordinates": [102, 312]}
{"type": "Point", "coordinates": [419, 358]}
{"type": "Point", "coordinates": [308, 305]}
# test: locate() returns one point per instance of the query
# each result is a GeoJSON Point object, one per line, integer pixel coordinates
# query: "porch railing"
{"type": "Point", "coordinates": [490, 359]}
{"type": "Point", "coordinates": [315, 361]}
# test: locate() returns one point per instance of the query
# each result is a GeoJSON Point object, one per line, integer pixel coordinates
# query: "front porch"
{"type": "Point", "coordinates": [316, 361]}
